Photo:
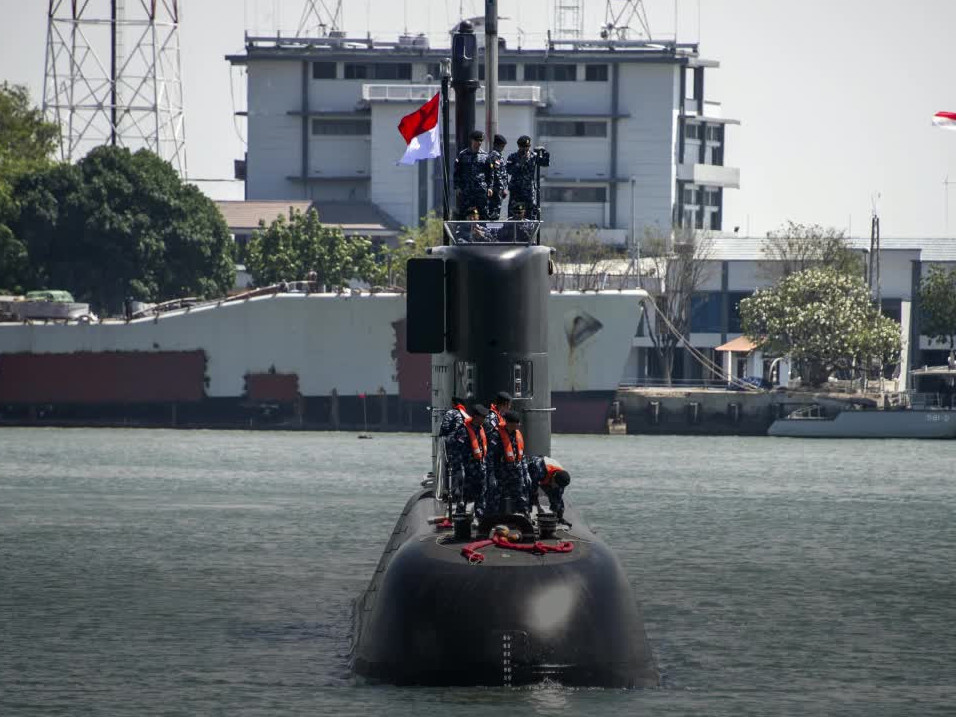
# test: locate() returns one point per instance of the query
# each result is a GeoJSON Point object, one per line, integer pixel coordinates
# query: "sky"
{"type": "Point", "coordinates": [834, 97]}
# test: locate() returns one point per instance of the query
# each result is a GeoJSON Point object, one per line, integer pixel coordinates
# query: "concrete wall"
{"type": "Point", "coordinates": [275, 137]}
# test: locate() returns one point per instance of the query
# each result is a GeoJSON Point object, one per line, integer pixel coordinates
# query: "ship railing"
{"type": "Point", "coordinates": [813, 411]}
{"type": "Point", "coordinates": [518, 231]}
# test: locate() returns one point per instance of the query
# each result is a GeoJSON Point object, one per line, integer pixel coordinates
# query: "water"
{"type": "Point", "coordinates": [198, 572]}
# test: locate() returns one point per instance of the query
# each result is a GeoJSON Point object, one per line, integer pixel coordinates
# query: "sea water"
{"type": "Point", "coordinates": [204, 572]}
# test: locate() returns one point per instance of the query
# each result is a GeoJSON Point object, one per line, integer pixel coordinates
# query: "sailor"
{"type": "Point", "coordinates": [548, 475]}
{"type": "Point", "coordinates": [471, 231]}
{"type": "Point", "coordinates": [470, 444]}
{"type": "Point", "coordinates": [524, 227]}
{"type": "Point", "coordinates": [522, 170]}
{"type": "Point", "coordinates": [501, 404]}
{"type": "Point", "coordinates": [508, 467]}
{"type": "Point", "coordinates": [499, 177]}
{"type": "Point", "coordinates": [473, 177]}
{"type": "Point", "coordinates": [453, 417]}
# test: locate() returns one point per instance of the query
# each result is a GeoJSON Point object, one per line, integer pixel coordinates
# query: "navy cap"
{"type": "Point", "coordinates": [479, 135]}
{"type": "Point", "coordinates": [503, 397]}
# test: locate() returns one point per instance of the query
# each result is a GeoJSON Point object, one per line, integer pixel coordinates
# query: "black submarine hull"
{"type": "Point", "coordinates": [431, 617]}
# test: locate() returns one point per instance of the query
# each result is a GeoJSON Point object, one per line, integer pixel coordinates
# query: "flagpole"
{"type": "Point", "coordinates": [445, 77]}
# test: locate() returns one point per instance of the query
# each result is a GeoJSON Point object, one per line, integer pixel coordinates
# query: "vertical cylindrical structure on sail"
{"type": "Point", "coordinates": [491, 71]}
{"type": "Point", "coordinates": [464, 80]}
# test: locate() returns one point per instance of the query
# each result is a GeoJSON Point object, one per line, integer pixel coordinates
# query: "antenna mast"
{"type": "Point", "coordinates": [113, 76]}
{"type": "Point", "coordinates": [621, 17]}
{"type": "Point", "coordinates": [325, 17]}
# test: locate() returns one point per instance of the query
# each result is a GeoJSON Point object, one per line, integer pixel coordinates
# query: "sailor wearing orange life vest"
{"type": "Point", "coordinates": [470, 446]}
{"type": "Point", "coordinates": [508, 468]}
{"type": "Point", "coordinates": [501, 404]}
{"type": "Point", "coordinates": [548, 475]}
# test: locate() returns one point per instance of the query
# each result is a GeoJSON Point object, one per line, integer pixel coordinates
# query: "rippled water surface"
{"type": "Point", "coordinates": [194, 572]}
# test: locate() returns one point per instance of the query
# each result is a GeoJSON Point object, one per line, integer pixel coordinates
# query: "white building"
{"type": "Point", "coordinates": [635, 144]}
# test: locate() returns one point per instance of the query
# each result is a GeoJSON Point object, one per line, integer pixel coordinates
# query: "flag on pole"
{"type": "Point", "coordinates": [946, 120]}
{"type": "Point", "coordinates": [420, 130]}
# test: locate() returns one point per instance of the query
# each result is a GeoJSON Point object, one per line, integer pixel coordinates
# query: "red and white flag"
{"type": "Point", "coordinates": [420, 130]}
{"type": "Point", "coordinates": [946, 120]}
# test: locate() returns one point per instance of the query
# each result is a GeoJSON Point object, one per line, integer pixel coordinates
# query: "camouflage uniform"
{"type": "Point", "coordinates": [473, 178]}
{"type": "Point", "coordinates": [506, 480]}
{"type": "Point", "coordinates": [499, 183]}
{"type": "Point", "coordinates": [538, 471]}
{"type": "Point", "coordinates": [521, 186]}
{"type": "Point", "coordinates": [467, 473]}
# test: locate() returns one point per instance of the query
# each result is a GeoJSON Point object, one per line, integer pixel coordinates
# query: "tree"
{"type": "Point", "coordinates": [824, 320]}
{"type": "Point", "coordinates": [796, 247]}
{"type": "Point", "coordinates": [412, 242]}
{"type": "Point", "coordinates": [582, 261]}
{"type": "Point", "coordinates": [26, 143]}
{"type": "Point", "coordinates": [289, 249]}
{"type": "Point", "coordinates": [120, 224]}
{"type": "Point", "coordinates": [679, 271]}
{"type": "Point", "coordinates": [937, 296]}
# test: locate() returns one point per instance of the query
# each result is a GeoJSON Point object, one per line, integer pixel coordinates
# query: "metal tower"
{"type": "Point", "coordinates": [113, 76]}
{"type": "Point", "coordinates": [622, 17]}
{"type": "Point", "coordinates": [568, 19]}
{"type": "Point", "coordinates": [324, 17]}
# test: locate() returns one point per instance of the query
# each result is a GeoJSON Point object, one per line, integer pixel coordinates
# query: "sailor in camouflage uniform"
{"type": "Point", "coordinates": [470, 445]}
{"type": "Point", "coordinates": [548, 475]}
{"type": "Point", "coordinates": [507, 468]}
{"type": "Point", "coordinates": [473, 177]}
{"type": "Point", "coordinates": [521, 167]}
{"type": "Point", "coordinates": [499, 177]}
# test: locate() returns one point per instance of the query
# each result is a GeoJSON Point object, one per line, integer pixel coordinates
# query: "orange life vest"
{"type": "Point", "coordinates": [479, 441]}
{"type": "Point", "coordinates": [494, 410]}
{"type": "Point", "coordinates": [551, 467]}
{"type": "Point", "coordinates": [509, 450]}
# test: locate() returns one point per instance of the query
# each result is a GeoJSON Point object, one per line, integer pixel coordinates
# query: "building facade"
{"type": "Point", "coordinates": [636, 145]}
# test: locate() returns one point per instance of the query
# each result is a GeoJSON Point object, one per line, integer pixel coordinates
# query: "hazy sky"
{"type": "Point", "coordinates": [834, 96]}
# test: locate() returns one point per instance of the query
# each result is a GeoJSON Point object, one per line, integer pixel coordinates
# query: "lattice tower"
{"type": "Point", "coordinates": [113, 76]}
{"type": "Point", "coordinates": [320, 18]}
{"type": "Point", "coordinates": [623, 18]}
{"type": "Point", "coordinates": [568, 19]}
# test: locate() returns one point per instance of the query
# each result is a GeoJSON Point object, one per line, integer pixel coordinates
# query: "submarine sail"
{"type": "Point", "coordinates": [510, 597]}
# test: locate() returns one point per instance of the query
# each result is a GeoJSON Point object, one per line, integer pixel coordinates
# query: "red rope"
{"type": "Point", "coordinates": [470, 551]}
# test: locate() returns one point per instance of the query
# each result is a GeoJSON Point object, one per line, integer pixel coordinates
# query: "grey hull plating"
{"type": "Point", "coordinates": [904, 423]}
{"type": "Point", "coordinates": [429, 617]}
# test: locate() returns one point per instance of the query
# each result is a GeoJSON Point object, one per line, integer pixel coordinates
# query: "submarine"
{"type": "Point", "coordinates": [513, 598]}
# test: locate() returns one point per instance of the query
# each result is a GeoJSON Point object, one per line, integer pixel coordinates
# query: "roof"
{"type": "Point", "coordinates": [355, 218]}
{"type": "Point", "coordinates": [741, 344]}
{"type": "Point", "coordinates": [730, 247]}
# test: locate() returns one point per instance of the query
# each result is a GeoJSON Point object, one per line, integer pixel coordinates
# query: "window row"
{"type": "Point", "coordinates": [694, 195]}
{"type": "Point", "coordinates": [507, 72]}
{"type": "Point", "coordinates": [706, 308]}
{"type": "Point", "coordinates": [715, 132]}
{"type": "Point", "coordinates": [572, 128]}
{"type": "Point", "coordinates": [574, 194]}
{"type": "Point", "coordinates": [341, 126]}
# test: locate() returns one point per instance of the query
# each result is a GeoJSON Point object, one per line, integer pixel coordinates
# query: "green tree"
{"type": "Point", "coordinates": [412, 242]}
{"type": "Point", "coordinates": [121, 224]}
{"type": "Point", "coordinates": [289, 249]}
{"type": "Point", "coordinates": [796, 247]}
{"type": "Point", "coordinates": [937, 296]}
{"type": "Point", "coordinates": [824, 320]}
{"type": "Point", "coordinates": [26, 143]}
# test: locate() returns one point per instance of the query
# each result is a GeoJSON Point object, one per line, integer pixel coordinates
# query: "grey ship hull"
{"type": "Point", "coordinates": [903, 423]}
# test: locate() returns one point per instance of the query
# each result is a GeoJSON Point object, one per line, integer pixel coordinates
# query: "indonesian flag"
{"type": "Point", "coordinates": [420, 130]}
{"type": "Point", "coordinates": [946, 120]}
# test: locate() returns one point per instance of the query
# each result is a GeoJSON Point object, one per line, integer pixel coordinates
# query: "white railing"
{"type": "Point", "coordinates": [517, 94]}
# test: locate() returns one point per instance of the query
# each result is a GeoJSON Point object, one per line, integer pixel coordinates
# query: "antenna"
{"type": "Point", "coordinates": [621, 17]}
{"type": "Point", "coordinates": [874, 269]}
{"type": "Point", "coordinates": [568, 19]}
{"type": "Point", "coordinates": [324, 17]}
{"type": "Point", "coordinates": [113, 76]}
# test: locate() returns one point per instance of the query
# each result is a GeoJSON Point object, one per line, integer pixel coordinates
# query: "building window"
{"type": "Point", "coordinates": [715, 133]}
{"type": "Point", "coordinates": [715, 221]}
{"type": "Point", "coordinates": [575, 194]}
{"type": "Point", "coordinates": [378, 71]}
{"type": "Point", "coordinates": [563, 128]}
{"type": "Point", "coordinates": [595, 73]}
{"type": "Point", "coordinates": [506, 73]}
{"type": "Point", "coordinates": [540, 72]}
{"type": "Point", "coordinates": [692, 130]}
{"type": "Point", "coordinates": [341, 126]}
{"type": "Point", "coordinates": [433, 70]}
{"type": "Point", "coordinates": [323, 70]}
{"type": "Point", "coordinates": [690, 196]}
{"type": "Point", "coordinates": [734, 299]}
{"type": "Point", "coordinates": [705, 312]}
{"type": "Point", "coordinates": [717, 156]}
{"type": "Point", "coordinates": [712, 197]}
